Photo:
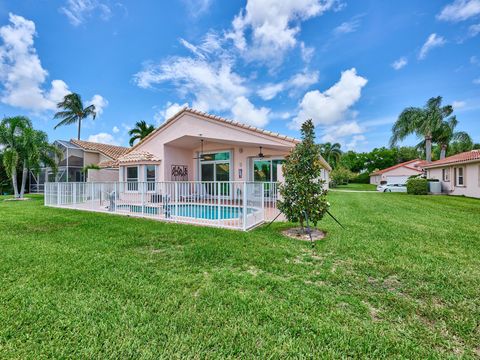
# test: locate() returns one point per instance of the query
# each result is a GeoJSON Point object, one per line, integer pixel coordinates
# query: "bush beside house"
{"type": "Point", "coordinates": [417, 186]}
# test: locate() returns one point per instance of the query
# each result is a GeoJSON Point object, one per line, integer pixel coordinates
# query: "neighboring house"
{"type": "Point", "coordinates": [398, 174]}
{"type": "Point", "coordinates": [76, 155]}
{"type": "Point", "coordinates": [459, 174]}
{"type": "Point", "coordinates": [193, 145]}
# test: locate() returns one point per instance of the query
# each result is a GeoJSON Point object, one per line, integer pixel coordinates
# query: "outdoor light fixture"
{"type": "Point", "coordinates": [260, 154]}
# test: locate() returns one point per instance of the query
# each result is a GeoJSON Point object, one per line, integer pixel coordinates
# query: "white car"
{"type": "Point", "coordinates": [392, 188]}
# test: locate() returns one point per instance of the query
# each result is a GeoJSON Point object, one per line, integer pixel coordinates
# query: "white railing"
{"type": "Point", "coordinates": [226, 204]}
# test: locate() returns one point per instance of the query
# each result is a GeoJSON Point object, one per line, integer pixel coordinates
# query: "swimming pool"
{"type": "Point", "coordinates": [197, 211]}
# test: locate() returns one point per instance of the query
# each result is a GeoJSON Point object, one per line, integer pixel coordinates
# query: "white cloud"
{"type": "Point", "coordinates": [21, 72]}
{"type": "Point", "coordinates": [213, 84]}
{"type": "Point", "coordinates": [306, 52]}
{"type": "Point", "coordinates": [115, 130]}
{"type": "Point", "coordinates": [400, 63]}
{"type": "Point", "coordinates": [273, 26]}
{"type": "Point", "coordinates": [104, 138]}
{"type": "Point", "coordinates": [297, 82]}
{"type": "Point", "coordinates": [347, 134]}
{"type": "Point", "coordinates": [457, 105]}
{"type": "Point", "coordinates": [433, 41]}
{"type": "Point", "coordinates": [244, 111]}
{"type": "Point", "coordinates": [331, 106]}
{"type": "Point", "coordinates": [347, 27]}
{"type": "Point", "coordinates": [196, 8]}
{"type": "Point", "coordinates": [168, 111]}
{"type": "Point", "coordinates": [100, 103]}
{"type": "Point", "coordinates": [269, 91]}
{"type": "Point", "coordinates": [460, 10]}
{"type": "Point", "coordinates": [474, 60]}
{"type": "Point", "coordinates": [474, 30]}
{"type": "Point", "coordinates": [77, 11]}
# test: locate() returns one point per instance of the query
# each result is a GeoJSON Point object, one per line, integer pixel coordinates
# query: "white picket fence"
{"type": "Point", "coordinates": [228, 204]}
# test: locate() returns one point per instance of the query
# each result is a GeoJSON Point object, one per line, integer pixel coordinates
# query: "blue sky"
{"type": "Point", "coordinates": [352, 66]}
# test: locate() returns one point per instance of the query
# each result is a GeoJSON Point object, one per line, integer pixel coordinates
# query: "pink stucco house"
{"type": "Point", "coordinates": [458, 174]}
{"type": "Point", "coordinates": [196, 146]}
{"type": "Point", "coordinates": [398, 174]}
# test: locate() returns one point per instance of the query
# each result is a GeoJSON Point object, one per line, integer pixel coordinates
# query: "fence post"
{"type": "Point", "coordinates": [263, 204]}
{"type": "Point", "coordinates": [58, 194]}
{"type": "Point", "coordinates": [92, 185]}
{"type": "Point", "coordinates": [142, 184]}
{"type": "Point", "coordinates": [244, 205]}
{"type": "Point", "coordinates": [115, 197]}
{"type": "Point", "coordinates": [74, 194]}
{"type": "Point", "coordinates": [218, 203]}
{"type": "Point", "coordinates": [176, 200]}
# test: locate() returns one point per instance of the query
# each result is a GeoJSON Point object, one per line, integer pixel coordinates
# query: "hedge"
{"type": "Point", "coordinates": [417, 186]}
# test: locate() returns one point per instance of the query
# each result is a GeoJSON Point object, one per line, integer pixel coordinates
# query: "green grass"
{"type": "Point", "coordinates": [402, 280]}
{"type": "Point", "coordinates": [362, 187]}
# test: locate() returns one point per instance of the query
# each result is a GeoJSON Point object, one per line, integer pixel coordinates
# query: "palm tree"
{"type": "Point", "coordinates": [331, 152]}
{"type": "Point", "coordinates": [36, 152]}
{"type": "Point", "coordinates": [446, 135]}
{"type": "Point", "coordinates": [423, 122]}
{"type": "Point", "coordinates": [140, 131]}
{"type": "Point", "coordinates": [11, 132]}
{"type": "Point", "coordinates": [73, 111]}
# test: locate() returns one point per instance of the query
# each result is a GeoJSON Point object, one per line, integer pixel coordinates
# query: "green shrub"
{"type": "Point", "coordinates": [362, 178]}
{"type": "Point", "coordinates": [341, 175]}
{"type": "Point", "coordinates": [417, 186]}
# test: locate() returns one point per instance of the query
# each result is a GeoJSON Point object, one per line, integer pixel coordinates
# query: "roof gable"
{"type": "Point", "coordinates": [466, 156]}
{"type": "Point", "coordinates": [407, 164]}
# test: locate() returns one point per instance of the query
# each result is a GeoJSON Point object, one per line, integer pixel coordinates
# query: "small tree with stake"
{"type": "Point", "coordinates": [303, 195]}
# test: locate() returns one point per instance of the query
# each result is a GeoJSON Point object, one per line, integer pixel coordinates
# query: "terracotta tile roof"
{"type": "Point", "coordinates": [109, 164]}
{"type": "Point", "coordinates": [136, 156]}
{"type": "Point", "coordinates": [417, 165]}
{"type": "Point", "coordinates": [112, 151]}
{"type": "Point", "coordinates": [458, 158]}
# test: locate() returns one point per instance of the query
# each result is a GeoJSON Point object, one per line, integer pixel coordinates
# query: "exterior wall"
{"type": "Point", "coordinates": [102, 175]}
{"type": "Point", "coordinates": [90, 158]}
{"type": "Point", "coordinates": [375, 179]}
{"type": "Point", "coordinates": [177, 156]}
{"type": "Point", "coordinates": [471, 179]}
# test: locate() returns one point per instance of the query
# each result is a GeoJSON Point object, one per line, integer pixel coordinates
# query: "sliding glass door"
{"type": "Point", "coordinates": [216, 167]}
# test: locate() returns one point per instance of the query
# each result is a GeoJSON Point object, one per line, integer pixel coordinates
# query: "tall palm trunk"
{"type": "Point", "coordinates": [14, 183]}
{"type": "Point", "coordinates": [428, 147]}
{"type": "Point", "coordinates": [24, 181]}
{"type": "Point", "coordinates": [79, 127]}
{"type": "Point", "coordinates": [443, 151]}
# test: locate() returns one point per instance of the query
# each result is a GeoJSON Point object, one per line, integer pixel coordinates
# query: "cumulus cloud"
{"type": "Point", "coordinates": [432, 42]}
{"type": "Point", "coordinates": [306, 52]}
{"type": "Point", "coordinates": [115, 130]}
{"type": "Point", "coordinates": [297, 82]}
{"type": "Point", "coordinates": [330, 106]}
{"type": "Point", "coordinates": [400, 63]}
{"type": "Point", "coordinates": [266, 29]}
{"type": "Point", "coordinates": [21, 72]}
{"type": "Point", "coordinates": [168, 111]}
{"type": "Point", "coordinates": [78, 11]}
{"type": "Point", "coordinates": [104, 138]}
{"type": "Point", "coordinates": [214, 85]}
{"type": "Point", "coordinates": [244, 111]}
{"type": "Point", "coordinates": [100, 103]}
{"type": "Point", "coordinates": [460, 10]}
{"type": "Point", "coordinates": [348, 134]}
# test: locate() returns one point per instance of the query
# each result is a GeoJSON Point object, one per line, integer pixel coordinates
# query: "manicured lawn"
{"type": "Point", "coordinates": [362, 187]}
{"type": "Point", "coordinates": [403, 280]}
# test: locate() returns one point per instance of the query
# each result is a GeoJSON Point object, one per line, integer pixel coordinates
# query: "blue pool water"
{"type": "Point", "coordinates": [207, 212]}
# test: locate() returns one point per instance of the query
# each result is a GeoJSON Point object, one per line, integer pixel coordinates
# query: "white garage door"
{"type": "Point", "coordinates": [397, 179]}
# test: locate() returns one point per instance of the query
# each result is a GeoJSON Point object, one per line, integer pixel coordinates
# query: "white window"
{"type": "Point", "coordinates": [150, 176]}
{"type": "Point", "coordinates": [459, 176]}
{"type": "Point", "coordinates": [132, 178]}
{"type": "Point", "coordinates": [446, 174]}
